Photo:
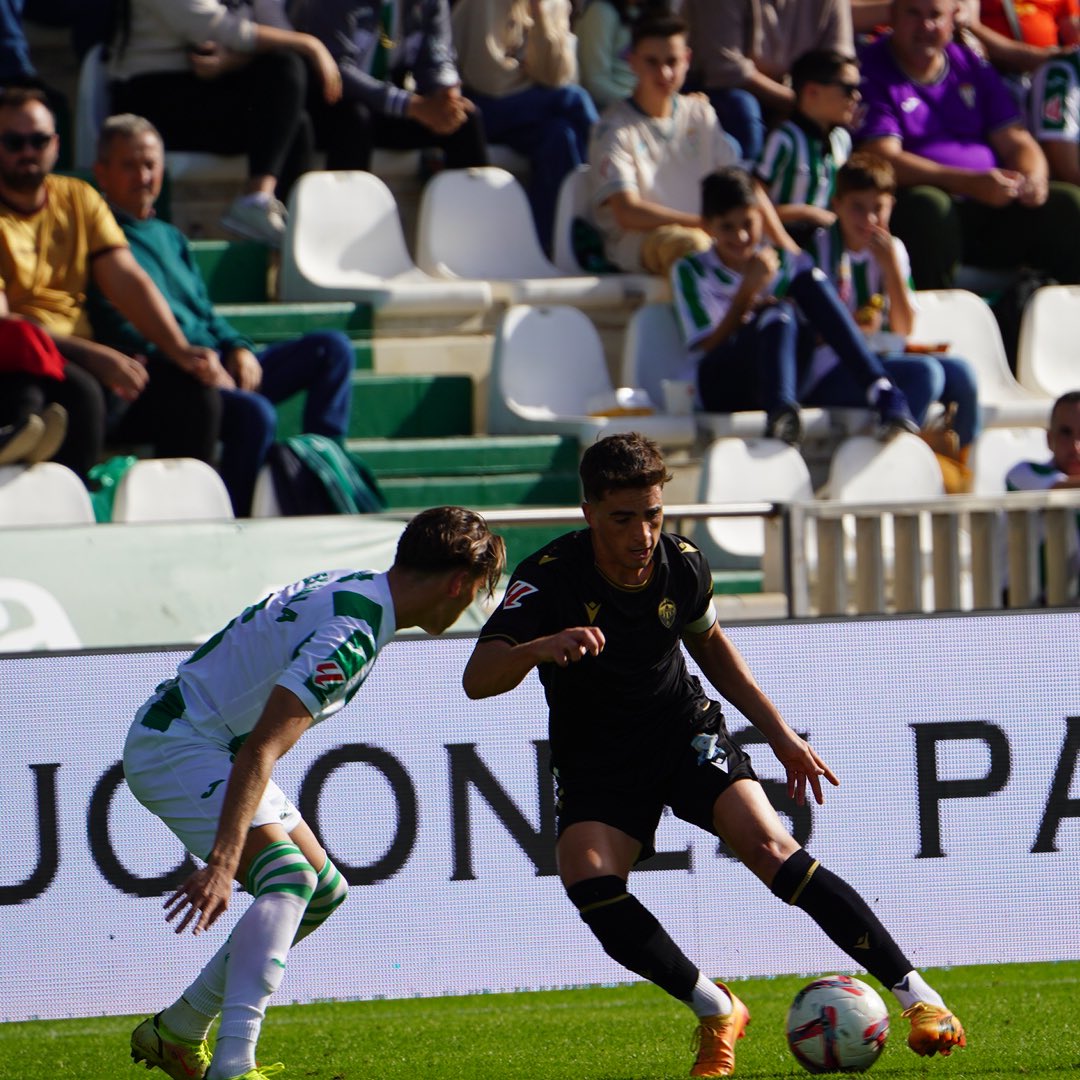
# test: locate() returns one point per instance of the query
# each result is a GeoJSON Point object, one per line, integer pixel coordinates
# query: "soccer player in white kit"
{"type": "Point", "coordinates": [201, 751]}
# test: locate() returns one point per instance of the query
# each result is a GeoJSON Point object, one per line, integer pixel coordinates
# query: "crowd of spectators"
{"type": "Point", "coordinates": [966, 118]}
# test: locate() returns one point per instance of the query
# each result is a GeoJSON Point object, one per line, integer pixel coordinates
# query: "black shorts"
{"type": "Point", "coordinates": [690, 789]}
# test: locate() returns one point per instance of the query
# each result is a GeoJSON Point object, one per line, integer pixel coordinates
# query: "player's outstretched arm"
{"type": "Point", "coordinates": [723, 665]}
{"type": "Point", "coordinates": [205, 894]}
{"type": "Point", "coordinates": [497, 666]}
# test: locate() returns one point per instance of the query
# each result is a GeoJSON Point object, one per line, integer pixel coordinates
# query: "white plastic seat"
{"type": "Point", "coordinates": [44, 494]}
{"type": "Point", "coordinates": [264, 500]}
{"type": "Point", "coordinates": [171, 489]}
{"type": "Point", "coordinates": [547, 366]}
{"type": "Point", "coordinates": [964, 322]}
{"type": "Point", "coordinates": [653, 351]}
{"type": "Point", "coordinates": [863, 469]}
{"type": "Point", "coordinates": [344, 241]}
{"type": "Point", "coordinates": [1046, 355]}
{"type": "Point", "coordinates": [996, 450]}
{"type": "Point", "coordinates": [741, 471]}
{"type": "Point", "coordinates": [477, 224]}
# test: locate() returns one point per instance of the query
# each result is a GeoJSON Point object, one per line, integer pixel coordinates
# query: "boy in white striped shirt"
{"type": "Point", "coordinates": [802, 155]}
{"type": "Point", "coordinates": [870, 269]}
{"type": "Point", "coordinates": [751, 317]}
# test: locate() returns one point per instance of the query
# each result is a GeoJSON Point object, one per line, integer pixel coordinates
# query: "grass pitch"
{"type": "Point", "coordinates": [1022, 1020]}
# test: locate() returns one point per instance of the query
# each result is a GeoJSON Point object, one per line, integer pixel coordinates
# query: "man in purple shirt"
{"type": "Point", "coordinates": [974, 183]}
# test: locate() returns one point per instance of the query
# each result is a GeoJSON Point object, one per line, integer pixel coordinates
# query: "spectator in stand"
{"type": "Point", "coordinates": [649, 154]}
{"type": "Point", "coordinates": [801, 156]}
{"type": "Point", "coordinates": [751, 317]}
{"type": "Point", "coordinates": [129, 171]}
{"type": "Point", "coordinates": [744, 50]}
{"type": "Point", "coordinates": [1063, 468]}
{"type": "Point", "coordinates": [870, 270]}
{"type": "Point", "coordinates": [603, 34]}
{"type": "Point", "coordinates": [1038, 22]}
{"type": "Point", "coordinates": [518, 61]}
{"type": "Point", "coordinates": [1054, 115]}
{"type": "Point", "coordinates": [213, 80]}
{"type": "Point", "coordinates": [974, 184]}
{"type": "Point", "coordinates": [377, 45]}
{"type": "Point", "coordinates": [57, 238]}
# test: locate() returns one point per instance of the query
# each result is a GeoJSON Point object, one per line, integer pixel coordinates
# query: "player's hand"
{"type": "Point", "coordinates": [803, 766]}
{"type": "Point", "coordinates": [202, 898]}
{"type": "Point", "coordinates": [569, 646]}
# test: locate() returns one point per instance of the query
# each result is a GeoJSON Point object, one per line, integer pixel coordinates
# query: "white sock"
{"type": "Point", "coordinates": [282, 881]}
{"type": "Point", "coordinates": [875, 388]}
{"type": "Point", "coordinates": [187, 1022]}
{"type": "Point", "coordinates": [912, 988]}
{"type": "Point", "coordinates": [708, 999]}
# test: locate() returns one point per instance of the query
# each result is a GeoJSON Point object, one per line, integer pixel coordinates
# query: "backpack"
{"type": "Point", "coordinates": [312, 474]}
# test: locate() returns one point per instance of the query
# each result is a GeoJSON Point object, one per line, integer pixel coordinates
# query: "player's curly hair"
{"type": "Point", "coordinates": [617, 462]}
{"type": "Point", "coordinates": [452, 538]}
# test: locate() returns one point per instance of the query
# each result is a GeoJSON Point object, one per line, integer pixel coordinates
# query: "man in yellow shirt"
{"type": "Point", "coordinates": [57, 235]}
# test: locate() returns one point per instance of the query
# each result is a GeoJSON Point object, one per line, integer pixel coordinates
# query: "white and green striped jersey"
{"type": "Point", "coordinates": [798, 166]}
{"type": "Point", "coordinates": [318, 638]}
{"type": "Point", "coordinates": [1054, 100]}
{"type": "Point", "coordinates": [856, 275]}
{"type": "Point", "coordinates": [703, 288]}
{"type": "Point", "coordinates": [1042, 476]}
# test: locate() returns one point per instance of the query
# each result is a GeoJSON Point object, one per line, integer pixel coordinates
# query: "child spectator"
{"type": "Point", "coordinates": [751, 316]}
{"type": "Point", "coordinates": [870, 269]}
{"type": "Point", "coordinates": [603, 33]}
{"type": "Point", "coordinates": [1063, 468]}
{"type": "Point", "coordinates": [798, 165]}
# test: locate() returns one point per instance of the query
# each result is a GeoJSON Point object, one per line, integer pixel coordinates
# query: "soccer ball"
{"type": "Point", "coordinates": [837, 1024]}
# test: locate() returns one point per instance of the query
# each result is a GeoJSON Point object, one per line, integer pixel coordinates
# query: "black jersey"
{"type": "Point", "coordinates": [629, 711]}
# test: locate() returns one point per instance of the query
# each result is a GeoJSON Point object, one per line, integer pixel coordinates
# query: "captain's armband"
{"type": "Point", "coordinates": [704, 623]}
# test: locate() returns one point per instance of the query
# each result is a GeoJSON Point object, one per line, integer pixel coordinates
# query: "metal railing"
{"type": "Point", "coordinates": [953, 553]}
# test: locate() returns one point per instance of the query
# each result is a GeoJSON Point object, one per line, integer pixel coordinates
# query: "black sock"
{"type": "Point", "coordinates": [632, 936]}
{"type": "Point", "coordinates": [843, 914]}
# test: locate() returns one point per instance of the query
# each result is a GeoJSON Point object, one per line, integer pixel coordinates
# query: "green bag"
{"type": "Point", "coordinates": [314, 475]}
{"type": "Point", "coordinates": [103, 479]}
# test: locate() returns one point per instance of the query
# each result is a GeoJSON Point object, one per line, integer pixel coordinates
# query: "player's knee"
{"type": "Point", "coordinates": [330, 893]}
{"type": "Point", "coordinates": [282, 868]}
{"type": "Point", "coordinates": [617, 919]}
{"type": "Point", "coordinates": [792, 877]}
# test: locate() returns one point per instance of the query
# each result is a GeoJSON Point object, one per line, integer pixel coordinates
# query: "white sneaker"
{"type": "Point", "coordinates": [16, 444]}
{"type": "Point", "coordinates": [55, 419]}
{"type": "Point", "coordinates": [256, 220]}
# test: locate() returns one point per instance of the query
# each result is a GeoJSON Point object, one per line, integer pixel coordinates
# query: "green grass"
{"type": "Point", "coordinates": [1021, 1019]}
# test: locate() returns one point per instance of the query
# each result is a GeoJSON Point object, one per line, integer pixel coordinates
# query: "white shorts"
{"type": "Point", "coordinates": [181, 777]}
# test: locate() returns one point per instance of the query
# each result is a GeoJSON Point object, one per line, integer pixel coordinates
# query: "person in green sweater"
{"type": "Point", "coordinates": [129, 171]}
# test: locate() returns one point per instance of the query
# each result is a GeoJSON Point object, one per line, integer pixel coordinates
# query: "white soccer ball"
{"type": "Point", "coordinates": [837, 1024]}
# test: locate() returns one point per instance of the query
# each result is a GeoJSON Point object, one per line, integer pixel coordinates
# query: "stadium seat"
{"type": "Point", "coordinates": [1046, 355]}
{"type": "Point", "coordinates": [344, 241]}
{"type": "Point", "coordinates": [965, 325]}
{"type": "Point", "coordinates": [548, 367]}
{"type": "Point", "coordinates": [863, 469]}
{"type": "Point", "coordinates": [171, 489]}
{"type": "Point", "coordinates": [264, 500]}
{"type": "Point", "coordinates": [477, 224]}
{"type": "Point", "coordinates": [741, 471]}
{"type": "Point", "coordinates": [996, 450]}
{"type": "Point", "coordinates": [43, 494]}
{"type": "Point", "coordinates": [653, 351]}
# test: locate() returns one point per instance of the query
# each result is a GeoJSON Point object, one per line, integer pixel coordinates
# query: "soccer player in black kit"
{"type": "Point", "coordinates": [601, 613]}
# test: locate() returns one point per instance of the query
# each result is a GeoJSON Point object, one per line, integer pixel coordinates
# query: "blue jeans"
{"type": "Point", "coordinates": [550, 126]}
{"type": "Point", "coordinates": [760, 366]}
{"type": "Point", "coordinates": [740, 116]}
{"type": "Point", "coordinates": [320, 363]}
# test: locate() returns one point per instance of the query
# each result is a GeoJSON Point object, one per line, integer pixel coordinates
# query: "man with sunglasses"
{"type": "Point", "coordinates": [57, 237]}
{"type": "Point", "coordinates": [802, 155]}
